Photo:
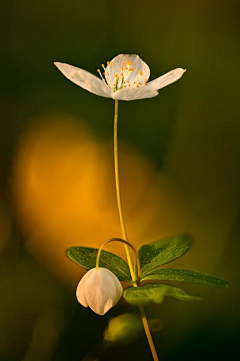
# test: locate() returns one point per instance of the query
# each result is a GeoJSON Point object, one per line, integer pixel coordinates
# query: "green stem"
{"type": "Point", "coordinates": [119, 201]}
{"type": "Point", "coordinates": [125, 243]}
{"type": "Point", "coordinates": [124, 235]}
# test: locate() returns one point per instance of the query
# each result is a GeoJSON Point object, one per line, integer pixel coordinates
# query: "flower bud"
{"type": "Point", "coordinates": [99, 289]}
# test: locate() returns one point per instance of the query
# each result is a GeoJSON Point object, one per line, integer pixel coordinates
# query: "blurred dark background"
{"type": "Point", "coordinates": [179, 163]}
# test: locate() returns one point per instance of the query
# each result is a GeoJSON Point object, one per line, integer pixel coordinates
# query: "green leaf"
{"type": "Point", "coordinates": [164, 251]}
{"type": "Point", "coordinates": [182, 275]}
{"type": "Point", "coordinates": [86, 257]}
{"type": "Point", "coordinates": [155, 293]}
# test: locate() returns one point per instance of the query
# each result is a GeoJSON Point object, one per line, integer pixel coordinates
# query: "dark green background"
{"type": "Point", "coordinates": [191, 130]}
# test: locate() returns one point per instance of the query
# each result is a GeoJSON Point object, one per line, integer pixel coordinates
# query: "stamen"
{"type": "Point", "coordinates": [141, 73]}
{"type": "Point", "coordinates": [99, 71]}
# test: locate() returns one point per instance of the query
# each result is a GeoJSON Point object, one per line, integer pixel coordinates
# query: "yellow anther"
{"type": "Point", "coordinates": [98, 70]}
{"type": "Point", "coordinates": [116, 76]}
{"type": "Point", "coordinates": [103, 65]}
{"type": "Point", "coordinates": [129, 62]}
{"type": "Point", "coordinates": [141, 73]}
{"type": "Point", "coordinates": [138, 82]}
{"type": "Point", "coordinates": [125, 86]}
{"type": "Point", "coordinates": [137, 86]}
{"type": "Point", "coordinates": [124, 64]}
{"type": "Point", "coordinates": [108, 63]}
{"type": "Point", "coordinates": [121, 74]}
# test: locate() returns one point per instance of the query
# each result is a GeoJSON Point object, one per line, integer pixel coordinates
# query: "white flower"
{"type": "Point", "coordinates": [99, 289]}
{"type": "Point", "coordinates": [124, 78]}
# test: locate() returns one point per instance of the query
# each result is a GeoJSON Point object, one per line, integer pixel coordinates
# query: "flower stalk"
{"type": "Point", "coordinates": [124, 234]}
{"type": "Point", "coordinates": [126, 243]}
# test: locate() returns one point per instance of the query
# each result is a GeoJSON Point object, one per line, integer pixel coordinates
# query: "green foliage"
{"type": "Point", "coordinates": [189, 276]}
{"type": "Point", "coordinates": [155, 293]}
{"type": "Point", "coordinates": [86, 257]}
{"type": "Point", "coordinates": [161, 252]}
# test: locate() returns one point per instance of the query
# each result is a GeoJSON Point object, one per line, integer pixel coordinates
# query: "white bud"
{"type": "Point", "coordinates": [99, 289]}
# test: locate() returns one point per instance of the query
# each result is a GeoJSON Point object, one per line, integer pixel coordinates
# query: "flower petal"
{"type": "Point", "coordinates": [80, 291]}
{"type": "Point", "coordinates": [101, 291]}
{"type": "Point", "coordinates": [118, 286]}
{"type": "Point", "coordinates": [85, 79]}
{"type": "Point", "coordinates": [135, 93]}
{"type": "Point", "coordinates": [166, 79]}
{"type": "Point", "coordinates": [140, 70]}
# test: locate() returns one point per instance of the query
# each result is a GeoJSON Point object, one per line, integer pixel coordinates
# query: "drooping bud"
{"type": "Point", "coordinates": [99, 289]}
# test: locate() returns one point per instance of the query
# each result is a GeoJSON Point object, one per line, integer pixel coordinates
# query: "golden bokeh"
{"type": "Point", "coordinates": [64, 193]}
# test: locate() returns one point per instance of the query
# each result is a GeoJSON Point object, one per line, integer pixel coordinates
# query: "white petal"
{"type": "Point", "coordinates": [137, 64]}
{"type": "Point", "coordinates": [118, 286]}
{"type": "Point", "coordinates": [135, 93]}
{"type": "Point", "coordinates": [85, 80]}
{"type": "Point", "coordinates": [108, 305]}
{"type": "Point", "coordinates": [101, 292]}
{"type": "Point", "coordinates": [166, 79]}
{"type": "Point", "coordinates": [80, 291]}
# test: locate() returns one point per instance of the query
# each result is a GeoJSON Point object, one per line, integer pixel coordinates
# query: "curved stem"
{"type": "Point", "coordinates": [124, 235]}
{"type": "Point", "coordinates": [126, 243]}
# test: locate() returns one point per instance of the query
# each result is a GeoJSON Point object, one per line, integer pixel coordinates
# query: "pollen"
{"type": "Point", "coordinates": [129, 63]}
{"type": "Point", "coordinates": [141, 73]}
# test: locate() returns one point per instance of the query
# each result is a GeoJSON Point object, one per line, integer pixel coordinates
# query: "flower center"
{"type": "Point", "coordinates": [125, 78]}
